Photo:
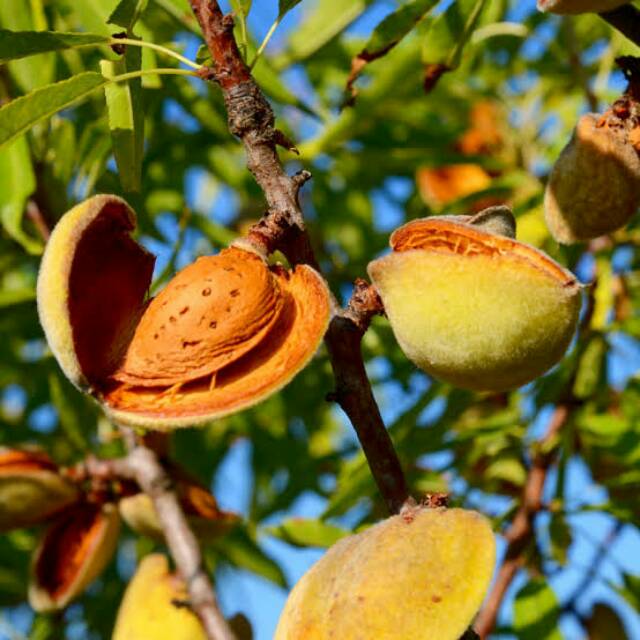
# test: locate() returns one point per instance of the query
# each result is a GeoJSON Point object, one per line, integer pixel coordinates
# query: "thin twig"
{"type": "Point", "coordinates": [521, 530]}
{"type": "Point", "coordinates": [251, 119]}
{"type": "Point", "coordinates": [142, 465]}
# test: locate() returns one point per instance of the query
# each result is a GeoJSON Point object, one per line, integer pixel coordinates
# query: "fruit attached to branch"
{"type": "Point", "coordinates": [225, 333]}
{"type": "Point", "coordinates": [472, 306]}
{"type": "Point", "coordinates": [419, 575]}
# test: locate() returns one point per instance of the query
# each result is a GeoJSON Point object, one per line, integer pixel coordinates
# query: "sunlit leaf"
{"type": "Point", "coordinates": [18, 44]}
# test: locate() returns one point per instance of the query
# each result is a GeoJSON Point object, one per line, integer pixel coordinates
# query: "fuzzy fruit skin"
{"type": "Point", "coordinates": [474, 309]}
{"type": "Point", "coordinates": [421, 575]}
{"type": "Point", "coordinates": [579, 6]}
{"type": "Point", "coordinates": [72, 553]}
{"type": "Point", "coordinates": [594, 187]}
{"type": "Point", "coordinates": [148, 612]}
{"type": "Point", "coordinates": [31, 490]}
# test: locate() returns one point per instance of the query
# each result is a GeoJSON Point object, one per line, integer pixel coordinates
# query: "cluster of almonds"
{"type": "Point", "coordinates": [83, 520]}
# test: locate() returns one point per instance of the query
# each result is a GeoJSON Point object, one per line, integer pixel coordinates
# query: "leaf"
{"type": "Point", "coordinates": [561, 538]}
{"type": "Point", "coordinates": [630, 590]}
{"type": "Point", "coordinates": [446, 36]}
{"type": "Point", "coordinates": [387, 35]}
{"type": "Point", "coordinates": [126, 118]}
{"type": "Point", "coordinates": [307, 532]}
{"type": "Point", "coordinates": [241, 7]}
{"type": "Point", "coordinates": [127, 12]}
{"type": "Point", "coordinates": [395, 27]}
{"type": "Point", "coordinates": [326, 21]}
{"type": "Point", "coordinates": [17, 183]}
{"type": "Point", "coordinates": [19, 44]}
{"type": "Point", "coordinates": [73, 413]}
{"type": "Point", "coordinates": [284, 6]}
{"type": "Point", "coordinates": [22, 113]}
{"type": "Point", "coordinates": [536, 612]}
{"type": "Point", "coordinates": [591, 368]}
{"type": "Point", "coordinates": [239, 548]}
{"type": "Point", "coordinates": [12, 297]}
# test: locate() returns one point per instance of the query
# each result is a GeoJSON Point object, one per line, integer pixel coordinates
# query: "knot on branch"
{"type": "Point", "coordinates": [249, 112]}
{"type": "Point", "coordinates": [365, 303]}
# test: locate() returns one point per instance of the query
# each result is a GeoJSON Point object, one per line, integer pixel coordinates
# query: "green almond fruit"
{"type": "Point", "coordinates": [476, 308]}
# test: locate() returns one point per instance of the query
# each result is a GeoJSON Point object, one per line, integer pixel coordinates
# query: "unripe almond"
{"type": "Point", "coordinates": [225, 333]}
{"type": "Point", "coordinates": [155, 606]}
{"type": "Point", "coordinates": [594, 187]}
{"type": "Point", "coordinates": [72, 553]}
{"type": "Point", "coordinates": [31, 489]}
{"type": "Point", "coordinates": [473, 308]}
{"type": "Point", "coordinates": [579, 6]}
{"type": "Point", "coordinates": [421, 575]}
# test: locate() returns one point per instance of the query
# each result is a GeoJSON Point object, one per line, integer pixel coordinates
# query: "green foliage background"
{"type": "Point", "coordinates": [188, 182]}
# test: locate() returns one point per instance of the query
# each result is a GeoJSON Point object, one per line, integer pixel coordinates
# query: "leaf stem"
{"type": "Point", "coordinates": [264, 43]}
{"type": "Point", "coordinates": [156, 47]}
{"type": "Point", "coordinates": [146, 72]}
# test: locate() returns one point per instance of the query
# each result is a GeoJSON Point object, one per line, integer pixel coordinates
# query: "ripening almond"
{"type": "Point", "coordinates": [31, 488]}
{"type": "Point", "coordinates": [155, 606]}
{"type": "Point", "coordinates": [205, 518]}
{"type": "Point", "coordinates": [225, 333]}
{"type": "Point", "coordinates": [421, 575]}
{"type": "Point", "coordinates": [72, 553]}
{"type": "Point", "coordinates": [579, 6]}
{"type": "Point", "coordinates": [474, 308]}
{"type": "Point", "coordinates": [594, 187]}
{"type": "Point", "coordinates": [440, 186]}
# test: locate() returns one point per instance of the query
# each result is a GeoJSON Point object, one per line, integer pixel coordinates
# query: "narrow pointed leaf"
{"type": "Point", "coordinates": [284, 6]}
{"type": "Point", "coordinates": [126, 119]}
{"type": "Point", "coordinates": [22, 113]}
{"type": "Point", "coordinates": [127, 12]}
{"type": "Point", "coordinates": [19, 44]}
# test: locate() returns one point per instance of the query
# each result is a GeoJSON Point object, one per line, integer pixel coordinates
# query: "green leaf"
{"type": "Point", "coordinates": [561, 538]}
{"type": "Point", "coordinates": [73, 413]}
{"type": "Point", "coordinates": [447, 34]}
{"type": "Point", "coordinates": [126, 118]}
{"type": "Point", "coordinates": [395, 27]}
{"type": "Point", "coordinates": [284, 6]}
{"type": "Point", "coordinates": [307, 532]}
{"type": "Point", "coordinates": [630, 590]}
{"type": "Point", "coordinates": [22, 113]}
{"type": "Point", "coordinates": [241, 550]}
{"type": "Point", "coordinates": [19, 44]}
{"type": "Point", "coordinates": [323, 23]}
{"type": "Point", "coordinates": [536, 612]}
{"type": "Point", "coordinates": [17, 183]}
{"type": "Point", "coordinates": [591, 368]}
{"type": "Point", "coordinates": [127, 12]}
{"type": "Point", "coordinates": [12, 297]}
{"type": "Point", "coordinates": [241, 7]}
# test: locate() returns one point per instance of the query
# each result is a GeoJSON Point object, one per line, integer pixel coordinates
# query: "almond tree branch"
{"type": "Point", "coordinates": [521, 531]}
{"type": "Point", "coordinates": [251, 118]}
{"type": "Point", "coordinates": [142, 465]}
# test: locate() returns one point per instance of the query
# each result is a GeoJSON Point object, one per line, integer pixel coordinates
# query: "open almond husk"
{"type": "Point", "coordinates": [155, 606]}
{"type": "Point", "coordinates": [31, 488]}
{"type": "Point", "coordinates": [226, 332]}
{"type": "Point", "coordinates": [205, 518]}
{"type": "Point", "coordinates": [72, 553]}
{"type": "Point", "coordinates": [473, 307]}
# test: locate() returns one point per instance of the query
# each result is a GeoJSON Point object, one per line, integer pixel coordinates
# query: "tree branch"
{"type": "Point", "coordinates": [626, 19]}
{"type": "Point", "coordinates": [251, 118]}
{"type": "Point", "coordinates": [142, 466]}
{"type": "Point", "coordinates": [521, 530]}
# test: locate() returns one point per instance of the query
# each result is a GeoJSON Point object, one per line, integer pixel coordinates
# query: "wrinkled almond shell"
{"type": "Point", "coordinates": [72, 553]}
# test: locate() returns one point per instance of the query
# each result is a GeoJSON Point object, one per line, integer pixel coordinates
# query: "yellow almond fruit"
{"type": "Point", "coordinates": [206, 519]}
{"type": "Point", "coordinates": [579, 6]}
{"type": "Point", "coordinates": [474, 308]}
{"type": "Point", "coordinates": [155, 606]}
{"type": "Point", "coordinates": [420, 575]}
{"type": "Point", "coordinates": [594, 186]}
{"type": "Point", "coordinates": [226, 332]}
{"type": "Point", "coordinates": [73, 552]}
{"type": "Point", "coordinates": [31, 488]}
